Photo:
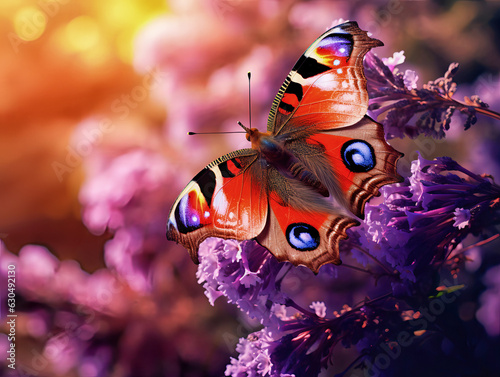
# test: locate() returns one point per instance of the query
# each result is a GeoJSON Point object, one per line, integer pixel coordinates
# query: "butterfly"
{"type": "Point", "coordinates": [320, 160]}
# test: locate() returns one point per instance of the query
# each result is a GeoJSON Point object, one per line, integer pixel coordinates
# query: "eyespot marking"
{"type": "Point", "coordinates": [358, 156]}
{"type": "Point", "coordinates": [336, 44]}
{"type": "Point", "coordinates": [192, 212]}
{"type": "Point", "coordinates": [302, 236]}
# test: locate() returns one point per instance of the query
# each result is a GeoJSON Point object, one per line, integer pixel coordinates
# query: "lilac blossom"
{"type": "Point", "coordinates": [410, 236]}
{"type": "Point", "coordinates": [424, 218]}
{"type": "Point", "coordinates": [254, 359]}
{"type": "Point", "coordinates": [244, 272]}
{"type": "Point", "coordinates": [124, 195]}
{"type": "Point", "coordinates": [409, 111]}
{"type": "Point", "coordinates": [302, 344]}
{"type": "Point", "coordinates": [88, 324]}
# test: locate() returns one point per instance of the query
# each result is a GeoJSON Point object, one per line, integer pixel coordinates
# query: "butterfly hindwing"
{"type": "Point", "coordinates": [360, 160]}
{"type": "Point", "coordinates": [327, 87]}
{"type": "Point", "coordinates": [224, 200]}
{"type": "Point", "coordinates": [303, 237]}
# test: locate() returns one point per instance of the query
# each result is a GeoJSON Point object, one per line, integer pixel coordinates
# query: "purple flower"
{"type": "Point", "coordinates": [302, 344]}
{"type": "Point", "coordinates": [244, 272]}
{"type": "Point", "coordinates": [424, 218]}
{"type": "Point", "coordinates": [411, 111]}
{"type": "Point", "coordinates": [462, 217]}
{"type": "Point", "coordinates": [305, 346]}
{"type": "Point", "coordinates": [397, 58]}
{"type": "Point", "coordinates": [254, 359]}
{"type": "Point", "coordinates": [125, 194]}
{"type": "Point", "coordinates": [319, 308]}
{"type": "Point", "coordinates": [410, 79]}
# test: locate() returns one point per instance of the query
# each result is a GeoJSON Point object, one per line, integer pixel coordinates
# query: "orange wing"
{"type": "Point", "coordinates": [359, 159]}
{"type": "Point", "coordinates": [326, 88]}
{"type": "Point", "coordinates": [302, 237]}
{"type": "Point", "coordinates": [227, 199]}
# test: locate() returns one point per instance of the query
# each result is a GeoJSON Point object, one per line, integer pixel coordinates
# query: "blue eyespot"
{"type": "Point", "coordinates": [302, 236]}
{"type": "Point", "coordinates": [358, 156]}
{"type": "Point", "coordinates": [338, 44]}
{"type": "Point", "coordinates": [187, 217]}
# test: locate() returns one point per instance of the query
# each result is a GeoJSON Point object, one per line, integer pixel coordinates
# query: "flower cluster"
{"type": "Point", "coordinates": [409, 111]}
{"type": "Point", "coordinates": [404, 243]}
{"type": "Point", "coordinates": [124, 195]}
{"type": "Point", "coordinates": [89, 324]}
{"type": "Point", "coordinates": [245, 273]}
{"type": "Point", "coordinates": [410, 245]}
{"type": "Point", "coordinates": [425, 217]}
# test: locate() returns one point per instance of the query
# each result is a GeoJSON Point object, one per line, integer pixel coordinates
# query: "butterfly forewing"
{"type": "Point", "coordinates": [225, 200]}
{"type": "Point", "coordinates": [326, 88]}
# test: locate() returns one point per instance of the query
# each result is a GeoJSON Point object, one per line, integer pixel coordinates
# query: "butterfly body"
{"type": "Point", "coordinates": [272, 152]}
{"type": "Point", "coordinates": [297, 186]}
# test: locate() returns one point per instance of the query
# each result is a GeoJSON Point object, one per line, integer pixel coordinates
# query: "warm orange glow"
{"type": "Point", "coordinates": [29, 23]}
{"type": "Point", "coordinates": [82, 33]}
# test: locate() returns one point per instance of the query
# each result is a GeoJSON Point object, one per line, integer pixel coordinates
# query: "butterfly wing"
{"type": "Point", "coordinates": [327, 87]}
{"type": "Point", "coordinates": [359, 162]}
{"type": "Point", "coordinates": [353, 163]}
{"type": "Point", "coordinates": [226, 199]}
{"type": "Point", "coordinates": [303, 237]}
{"type": "Point", "coordinates": [319, 112]}
{"type": "Point", "coordinates": [362, 160]}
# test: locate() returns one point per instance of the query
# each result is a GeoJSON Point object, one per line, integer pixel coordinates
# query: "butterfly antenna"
{"type": "Point", "coordinates": [249, 99]}
{"type": "Point", "coordinates": [247, 129]}
{"type": "Point", "coordinates": [244, 127]}
{"type": "Point", "coordinates": [216, 132]}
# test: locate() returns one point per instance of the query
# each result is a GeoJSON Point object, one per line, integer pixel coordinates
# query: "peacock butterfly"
{"type": "Point", "coordinates": [321, 158]}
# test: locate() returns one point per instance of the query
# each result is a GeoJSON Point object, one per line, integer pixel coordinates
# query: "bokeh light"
{"type": "Point", "coordinates": [30, 23]}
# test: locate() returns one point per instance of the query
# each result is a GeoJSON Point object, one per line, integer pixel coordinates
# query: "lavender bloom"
{"type": "Point", "coordinates": [254, 359]}
{"type": "Point", "coordinates": [424, 218]}
{"type": "Point", "coordinates": [411, 111]}
{"type": "Point", "coordinates": [125, 195]}
{"type": "Point", "coordinates": [90, 324]}
{"type": "Point", "coordinates": [245, 272]}
{"type": "Point", "coordinates": [410, 235]}
{"type": "Point", "coordinates": [301, 345]}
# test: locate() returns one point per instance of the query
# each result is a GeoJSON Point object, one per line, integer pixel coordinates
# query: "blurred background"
{"type": "Point", "coordinates": [96, 99]}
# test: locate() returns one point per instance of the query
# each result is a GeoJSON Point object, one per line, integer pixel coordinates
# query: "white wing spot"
{"type": "Point", "coordinates": [326, 82]}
